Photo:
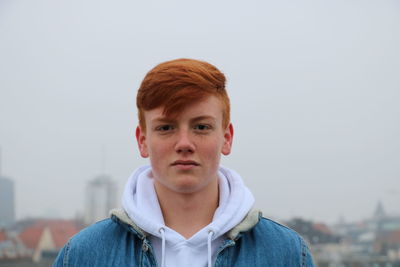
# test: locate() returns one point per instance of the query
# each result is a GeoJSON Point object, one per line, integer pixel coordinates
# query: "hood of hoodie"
{"type": "Point", "coordinates": [141, 204]}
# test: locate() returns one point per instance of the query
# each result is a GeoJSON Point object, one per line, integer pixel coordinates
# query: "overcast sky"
{"type": "Point", "coordinates": [314, 85]}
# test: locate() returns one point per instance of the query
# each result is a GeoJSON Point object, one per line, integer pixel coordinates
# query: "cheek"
{"type": "Point", "coordinates": [213, 152]}
{"type": "Point", "coordinates": [157, 151]}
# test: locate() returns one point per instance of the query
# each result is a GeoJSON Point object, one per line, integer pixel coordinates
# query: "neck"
{"type": "Point", "coordinates": [187, 213]}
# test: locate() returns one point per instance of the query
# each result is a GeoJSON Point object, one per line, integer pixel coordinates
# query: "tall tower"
{"type": "Point", "coordinates": [378, 217]}
{"type": "Point", "coordinates": [100, 197]}
{"type": "Point", "coordinates": [379, 212]}
{"type": "Point", "coordinates": [7, 202]}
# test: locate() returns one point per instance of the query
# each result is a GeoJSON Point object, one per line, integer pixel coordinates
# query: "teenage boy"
{"type": "Point", "coordinates": [184, 209]}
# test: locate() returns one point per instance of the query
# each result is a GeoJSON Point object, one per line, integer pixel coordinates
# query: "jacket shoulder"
{"type": "Point", "coordinates": [102, 232]}
{"type": "Point", "coordinates": [275, 236]}
{"type": "Point", "coordinates": [93, 244]}
{"type": "Point", "coordinates": [274, 230]}
{"type": "Point", "coordinates": [279, 242]}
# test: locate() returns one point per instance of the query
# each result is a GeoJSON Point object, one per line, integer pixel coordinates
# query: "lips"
{"type": "Point", "coordinates": [185, 163]}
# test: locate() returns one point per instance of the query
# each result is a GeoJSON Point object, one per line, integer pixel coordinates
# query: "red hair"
{"type": "Point", "coordinates": [179, 83]}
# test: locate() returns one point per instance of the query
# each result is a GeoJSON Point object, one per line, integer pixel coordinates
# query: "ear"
{"type": "Point", "coordinates": [141, 140]}
{"type": "Point", "coordinates": [228, 138]}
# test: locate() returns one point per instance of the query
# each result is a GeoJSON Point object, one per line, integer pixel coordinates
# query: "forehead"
{"type": "Point", "coordinates": [210, 107]}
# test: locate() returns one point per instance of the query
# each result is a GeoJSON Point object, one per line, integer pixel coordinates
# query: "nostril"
{"type": "Point", "coordinates": [184, 147]}
{"type": "Point", "coordinates": [184, 150]}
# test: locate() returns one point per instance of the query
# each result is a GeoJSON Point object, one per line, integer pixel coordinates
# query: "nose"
{"type": "Point", "coordinates": [184, 143]}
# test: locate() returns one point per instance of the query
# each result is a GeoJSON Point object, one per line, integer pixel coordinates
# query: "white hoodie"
{"type": "Point", "coordinates": [172, 249]}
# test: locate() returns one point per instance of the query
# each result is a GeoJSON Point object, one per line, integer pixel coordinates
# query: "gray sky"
{"type": "Point", "coordinates": [314, 85]}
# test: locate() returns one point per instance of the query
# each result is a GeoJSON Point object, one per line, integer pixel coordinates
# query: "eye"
{"type": "Point", "coordinates": [164, 128]}
{"type": "Point", "coordinates": [202, 127]}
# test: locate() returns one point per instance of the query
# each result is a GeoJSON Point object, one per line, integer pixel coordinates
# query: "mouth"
{"type": "Point", "coordinates": [185, 163]}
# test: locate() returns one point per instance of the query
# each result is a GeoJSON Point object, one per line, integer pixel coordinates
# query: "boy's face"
{"type": "Point", "coordinates": [185, 151]}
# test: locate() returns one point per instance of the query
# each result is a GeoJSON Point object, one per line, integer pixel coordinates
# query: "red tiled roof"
{"type": "Point", "coordinates": [3, 236]}
{"type": "Point", "coordinates": [60, 230]}
{"type": "Point", "coordinates": [31, 236]}
{"type": "Point", "coordinates": [392, 237]}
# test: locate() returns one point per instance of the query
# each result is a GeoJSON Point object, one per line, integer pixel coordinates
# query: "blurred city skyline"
{"type": "Point", "coordinates": [82, 209]}
{"type": "Point", "coordinates": [314, 87]}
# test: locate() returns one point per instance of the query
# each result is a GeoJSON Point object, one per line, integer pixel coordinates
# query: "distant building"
{"type": "Point", "coordinates": [314, 233]}
{"type": "Point", "coordinates": [7, 202]}
{"type": "Point", "coordinates": [47, 236]}
{"type": "Point", "coordinates": [366, 243]}
{"type": "Point", "coordinates": [11, 247]}
{"type": "Point", "coordinates": [379, 212]}
{"type": "Point", "coordinates": [39, 242]}
{"type": "Point", "coordinates": [101, 196]}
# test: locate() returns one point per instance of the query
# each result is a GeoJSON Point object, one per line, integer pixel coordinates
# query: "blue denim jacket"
{"type": "Point", "coordinates": [256, 241]}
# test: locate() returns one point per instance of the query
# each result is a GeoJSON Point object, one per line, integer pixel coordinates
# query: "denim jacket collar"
{"type": "Point", "coordinates": [251, 220]}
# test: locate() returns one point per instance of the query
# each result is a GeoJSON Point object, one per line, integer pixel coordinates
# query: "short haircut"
{"type": "Point", "coordinates": [176, 84]}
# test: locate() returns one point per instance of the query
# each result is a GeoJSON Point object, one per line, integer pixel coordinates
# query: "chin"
{"type": "Point", "coordinates": [190, 185]}
{"type": "Point", "coordinates": [187, 185]}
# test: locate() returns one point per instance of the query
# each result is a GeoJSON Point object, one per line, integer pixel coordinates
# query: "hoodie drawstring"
{"type": "Point", "coordinates": [209, 239]}
{"type": "Point", "coordinates": [210, 234]}
{"type": "Point", "coordinates": [162, 232]}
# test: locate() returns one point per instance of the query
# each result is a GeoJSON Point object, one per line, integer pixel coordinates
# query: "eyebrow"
{"type": "Point", "coordinates": [169, 120]}
{"type": "Point", "coordinates": [205, 117]}
{"type": "Point", "coordinates": [161, 120]}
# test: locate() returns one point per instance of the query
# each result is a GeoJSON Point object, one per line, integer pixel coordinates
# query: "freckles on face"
{"type": "Point", "coordinates": [185, 151]}
{"type": "Point", "coordinates": [157, 152]}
